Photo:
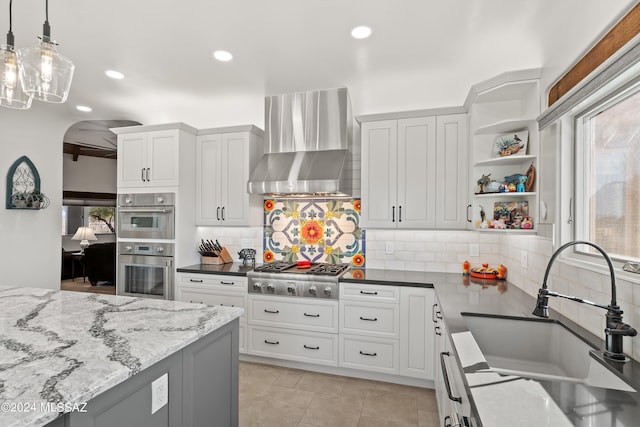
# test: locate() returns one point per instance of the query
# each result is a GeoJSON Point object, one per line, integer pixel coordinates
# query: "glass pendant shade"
{"type": "Point", "coordinates": [46, 75]}
{"type": "Point", "coordinates": [12, 94]}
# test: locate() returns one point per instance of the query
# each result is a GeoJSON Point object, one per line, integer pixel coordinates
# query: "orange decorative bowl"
{"type": "Point", "coordinates": [484, 272]}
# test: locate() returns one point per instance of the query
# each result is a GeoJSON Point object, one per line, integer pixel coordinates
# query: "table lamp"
{"type": "Point", "coordinates": [84, 234]}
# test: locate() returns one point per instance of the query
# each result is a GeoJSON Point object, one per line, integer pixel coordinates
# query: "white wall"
{"type": "Point", "coordinates": [30, 252]}
{"type": "Point", "coordinates": [91, 174]}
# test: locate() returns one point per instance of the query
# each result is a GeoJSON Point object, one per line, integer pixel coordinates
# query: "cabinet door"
{"type": "Point", "coordinates": [451, 171]}
{"type": "Point", "coordinates": [208, 179]}
{"type": "Point", "coordinates": [163, 158]}
{"type": "Point", "coordinates": [548, 175]}
{"type": "Point", "coordinates": [416, 173]}
{"type": "Point", "coordinates": [379, 174]}
{"type": "Point", "coordinates": [416, 332]}
{"type": "Point", "coordinates": [235, 175]}
{"type": "Point", "coordinates": [132, 160]}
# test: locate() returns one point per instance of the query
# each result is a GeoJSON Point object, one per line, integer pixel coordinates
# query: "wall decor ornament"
{"type": "Point", "coordinates": [316, 230]}
{"type": "Point", "coordinates": [23, 186]}
{"type": "Point", "coordinates": [511, 144]}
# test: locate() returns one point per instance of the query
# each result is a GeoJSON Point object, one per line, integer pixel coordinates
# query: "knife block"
{"type": "Point", "coordinates": [224, 257]}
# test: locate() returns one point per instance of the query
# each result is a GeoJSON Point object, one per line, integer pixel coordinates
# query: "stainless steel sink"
{"type": "Point", "coordinates": [538, 348]}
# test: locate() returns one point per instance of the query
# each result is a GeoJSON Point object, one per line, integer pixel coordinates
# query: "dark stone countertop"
{"type": "Point", "coordinates": [392, 277]}
{"type": "Point", "coordinates": [231, 269]}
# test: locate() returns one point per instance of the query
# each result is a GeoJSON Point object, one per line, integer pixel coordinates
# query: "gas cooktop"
{"type": "Point", "coordinates": [322, 269]}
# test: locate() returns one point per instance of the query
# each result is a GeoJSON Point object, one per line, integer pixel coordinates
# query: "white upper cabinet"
{"type": "Point", "coordinates": [224, 160]}
{"type": "Point", "coordinates": [407, 166]}
{"type": "Point", "coordinates": [151, 158]}
{"type": "Point", "coordinates": [451, 171]}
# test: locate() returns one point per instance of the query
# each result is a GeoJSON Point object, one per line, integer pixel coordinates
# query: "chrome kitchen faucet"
{"type": "Point", "coordinates": [615, 328]}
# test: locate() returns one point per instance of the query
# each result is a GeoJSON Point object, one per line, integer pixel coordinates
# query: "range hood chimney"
{"type": "Point", "coordinates": [309, 146]}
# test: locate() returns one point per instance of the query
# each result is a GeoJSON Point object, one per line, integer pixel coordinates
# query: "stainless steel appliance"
{"type": "Point", "coordinates": [145, 269]}
{"type": "Point", "coordinates": [287, 279]}
{"type": "Point", "coordinates": [309, 146]}
{"type": "Point", "coordinates": [146, 216]}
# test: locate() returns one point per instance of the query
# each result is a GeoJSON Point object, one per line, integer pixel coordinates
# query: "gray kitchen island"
{"type": "Point", "coordinates": [81, 359]}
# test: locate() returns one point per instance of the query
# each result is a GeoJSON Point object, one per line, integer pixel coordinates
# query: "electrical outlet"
{"type": "Point", "coordinates": [388, 249]}
{"type": "Point", "coordinates": [474, 249]}
{"type": "Point", "coordinates": [159, 393]}
{"type": "Point", "coordinates": [524, 259]}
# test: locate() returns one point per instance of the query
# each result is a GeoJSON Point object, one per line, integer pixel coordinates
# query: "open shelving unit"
{"type": "Point", "coordinates": [506, 104]}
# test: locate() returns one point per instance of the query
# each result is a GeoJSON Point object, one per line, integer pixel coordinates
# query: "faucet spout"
{"type": "Point", "coordinates": [615, 329]}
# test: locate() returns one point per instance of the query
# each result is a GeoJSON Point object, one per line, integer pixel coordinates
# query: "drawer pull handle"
{"type": "Point", "coordinates": [311, 348]}
{"type": "Point", "coordinates": [228, 283]}
{"type": "Point", "coordinates": [368, 354]}
{"type": "Point", "coordinates": [271, 311]}
{"type": "Point", "coordinates": [437, 328]}
{"type": "Point", "coordinates": [230, 305]}
{"type": "Point", "coordinates": [271, 342]}
{"type": "Point", "coordinates": [196, 280]}
{"type": "Point", "coordinates": [368, 293]}
{"type": "Point", "coordinates": [375, 319]}
{"type": "Point", "coordinates": [311, 315]}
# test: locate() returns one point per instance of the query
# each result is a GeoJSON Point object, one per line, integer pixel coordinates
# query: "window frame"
{"type": "Point", "coordinates": [617, 90]}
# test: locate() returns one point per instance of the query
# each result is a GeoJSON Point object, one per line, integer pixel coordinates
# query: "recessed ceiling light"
{"type": "Point", "coordinates": [361, 32]}
{"type": "Point", "coordinates": [84, 108]}
{"type": "Point", "coordinates": [222, 55]}
{"type": "Point", "coordinates": [114, 74]}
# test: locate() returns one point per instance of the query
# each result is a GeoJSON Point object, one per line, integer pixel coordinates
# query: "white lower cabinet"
{"type": "Point", "coordinates": [299, 329]}
{"type": "Point", "coordinates": [417, 338]}
{"type": "Point", "coordinates": [302, 346]}
{"type": "Point", "coordinates": [387, 329]}
{"type": "Point", "coordinates": [369, 353]}
{"type": "Point", "coordinates": [214, 290]}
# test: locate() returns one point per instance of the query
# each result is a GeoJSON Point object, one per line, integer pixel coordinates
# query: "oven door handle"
{"type": "Point", "coordinates": [168, 279]}
{"type": "Point", "coordinates": [144, 210]}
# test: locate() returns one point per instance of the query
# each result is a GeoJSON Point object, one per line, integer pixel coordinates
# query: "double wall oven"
{"type": "Point", "coordinates": [146, 230]}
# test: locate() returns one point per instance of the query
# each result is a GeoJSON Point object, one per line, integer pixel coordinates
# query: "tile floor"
{"type": "Point", "coordinates": [271, 396]}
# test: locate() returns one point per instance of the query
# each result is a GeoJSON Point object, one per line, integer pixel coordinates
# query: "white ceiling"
{"type": "Point", "coordinates": [422, 54]}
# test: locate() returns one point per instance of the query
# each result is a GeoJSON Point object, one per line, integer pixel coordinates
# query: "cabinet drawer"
{"type": "Point", "coordinates": [196, 295]}
{"type": "Point", "coordinates": [372, 354]}
{"type": "Point", "coordinates": [313, 347]}
{"type": "Point", "coordinates": [363, 292]}
{"type": "Point", "coordinates": [321, 316]}
{"type": "Point", "coordinates": [370, 319]}
{"type": "Point", "coordinates": [229, 283]}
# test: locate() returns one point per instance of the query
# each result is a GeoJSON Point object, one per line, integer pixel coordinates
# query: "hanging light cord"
{"type": "Point", "coordinates": [46, 28]}
{"type": "Point", "coordinates": [10, 40]}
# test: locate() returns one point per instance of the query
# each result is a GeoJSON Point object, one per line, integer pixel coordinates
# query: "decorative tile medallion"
{"type": "Point", "coordinates": [315, 230]}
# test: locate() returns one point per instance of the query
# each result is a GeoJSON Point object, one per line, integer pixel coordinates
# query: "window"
{"type": "Point", "coordinates": [608, 174]}
{"type": "Point", "coordinates": [101, 219]}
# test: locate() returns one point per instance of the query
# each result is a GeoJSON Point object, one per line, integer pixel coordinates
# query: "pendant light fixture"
{"type": "Point", "coordinates": [46, 75]}
{"type": "Point", "coordinates": [11, 93]}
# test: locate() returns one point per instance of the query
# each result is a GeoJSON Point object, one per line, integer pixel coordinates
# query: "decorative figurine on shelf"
{"type": "Point", "coordinates": [504, 188]}
{"type": "Point", "coordinates": [482, 214]}
{"type": "Point", "coordinates": [527, 224]}
{"type": "Point", "coordinates": [521, 181]}
{"type": "Point", "coordinates": [531, 178]}
{"type": "Point", "coordinates": [484, 180]}
{"type": "Point", "coordinates": [512, 188]}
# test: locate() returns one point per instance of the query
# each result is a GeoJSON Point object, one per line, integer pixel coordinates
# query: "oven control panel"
{"type": "Point", "coordinates": [146, 248]}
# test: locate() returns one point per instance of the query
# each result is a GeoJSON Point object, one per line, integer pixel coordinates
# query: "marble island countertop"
{"type": "Point", "coordinates": [68, 347]}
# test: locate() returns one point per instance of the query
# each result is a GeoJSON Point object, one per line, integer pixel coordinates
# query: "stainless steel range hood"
{"type": "Point", "coordinates": [309, 146]}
